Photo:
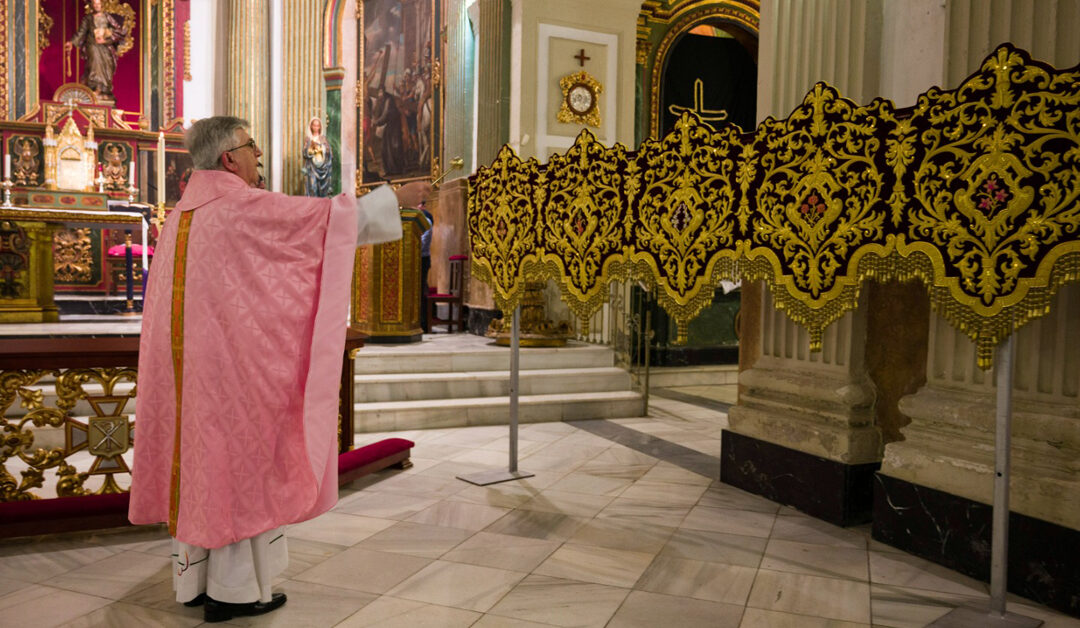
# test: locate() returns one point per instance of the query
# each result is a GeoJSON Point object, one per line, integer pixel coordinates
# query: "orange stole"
{"type": "Point", "coordinates": [177, 334]}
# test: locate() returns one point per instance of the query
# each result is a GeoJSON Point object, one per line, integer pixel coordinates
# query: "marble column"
{"type": "Point", "coordinates": [303, 85]}
{"type": "Point", "coordinates": [248, 73]}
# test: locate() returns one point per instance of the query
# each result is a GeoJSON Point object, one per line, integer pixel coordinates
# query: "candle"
{"type": "Point", "coordinates": [161, 167]}
{"type": "Point", "coordinates": [131, 172]}
{"type": "Point", "coordinates": [7, 165]}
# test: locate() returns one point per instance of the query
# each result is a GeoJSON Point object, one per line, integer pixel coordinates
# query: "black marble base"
{"type": "Point", "coordinates": [694, 356]}
{"type": "Point", "coordinates": [833, 491]}
{"type": "Point", "coordinates": [478, 319]}
{"type": "Point", "coordinates": [1044, 558]}
{"type": "Point", "coordinates": [83, 306]}
{"type": "Point", "coordinates": [393, 340]}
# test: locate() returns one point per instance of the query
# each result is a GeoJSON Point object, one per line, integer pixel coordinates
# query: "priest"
{"type": "Point", "coordinates": [239, 367]}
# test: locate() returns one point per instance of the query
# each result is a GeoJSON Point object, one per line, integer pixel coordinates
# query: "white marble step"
{"type": "Point", "coordinates": [470, 353]}
{"type": "Point", "coordinates": [377, 387]}
{"type": "Point", "coordinates": [707, 375]}
{"type": "Point", "coordinates": [388, 416]}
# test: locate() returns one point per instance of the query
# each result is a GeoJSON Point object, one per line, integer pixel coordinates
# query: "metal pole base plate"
{"type": "Point", "coordinates": [483, 478]}
{"type": "Point", "coordinates": [983, 618]}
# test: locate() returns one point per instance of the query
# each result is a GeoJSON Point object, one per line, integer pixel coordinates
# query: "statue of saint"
{"type": "Point", "coordinates": [98, 38]}
{"type": "Point", "coordinates": [318, 161]}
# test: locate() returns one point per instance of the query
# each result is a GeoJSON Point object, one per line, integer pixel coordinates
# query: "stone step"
{"type": "Point", "coordinates": [389, 416]}
{"type": "Point", "coordinates": [707, 375]}
{"type": "Point", "coordinates": [475, 355]}
{"type": "Point", "coordinates": [380, 387]}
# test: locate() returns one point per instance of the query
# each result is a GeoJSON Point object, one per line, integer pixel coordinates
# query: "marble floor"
{"type": "Point", "coordinates": [623, 525]}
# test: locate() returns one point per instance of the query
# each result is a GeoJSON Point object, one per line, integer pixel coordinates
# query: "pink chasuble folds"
{"type": "Point", "coordinates": [259, 319]}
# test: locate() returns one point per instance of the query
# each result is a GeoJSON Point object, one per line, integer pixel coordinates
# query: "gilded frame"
{"type": "Point", "coordinates": [422, 149]}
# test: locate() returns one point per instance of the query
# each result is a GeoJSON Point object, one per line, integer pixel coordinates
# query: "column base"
{"type": "Point", "coordinates": [839, 493]}
{"type": "Point", "coordinates": [1044, 562]}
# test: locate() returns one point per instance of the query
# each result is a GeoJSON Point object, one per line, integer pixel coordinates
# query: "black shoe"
{"type": "Point", "coordinates": [198, 600]}
{"type": "Point", "coordinates": [224, 611]}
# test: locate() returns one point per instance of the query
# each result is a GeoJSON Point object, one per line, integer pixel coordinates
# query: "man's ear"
{"type": "Point", "coordinates": [228, 163]}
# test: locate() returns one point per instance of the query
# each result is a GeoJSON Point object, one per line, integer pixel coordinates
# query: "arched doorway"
{"type": "Point", "coordinates": [702, 57]}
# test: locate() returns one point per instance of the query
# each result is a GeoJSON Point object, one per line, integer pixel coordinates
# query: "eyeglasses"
{"type": "Point", "coordinates": [248, 144]}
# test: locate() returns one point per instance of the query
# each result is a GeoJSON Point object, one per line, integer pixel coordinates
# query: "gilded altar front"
{"type": "Point", "coordinates": [386, 285]}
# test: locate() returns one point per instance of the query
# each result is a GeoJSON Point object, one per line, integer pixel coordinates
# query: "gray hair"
{"type": "Point", "coordinates": [209, 138]}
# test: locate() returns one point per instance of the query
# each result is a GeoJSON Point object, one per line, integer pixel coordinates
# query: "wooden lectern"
{"type": "Point", "coordinates": [386, 285]}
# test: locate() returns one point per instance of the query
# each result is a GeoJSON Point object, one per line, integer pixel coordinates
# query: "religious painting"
{"type": "Point", "coordinates": [400, 107]}
{"type": "Point", "coordinates": [178, 168]}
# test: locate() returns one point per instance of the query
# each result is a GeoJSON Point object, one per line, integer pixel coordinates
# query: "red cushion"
{"type": "Point", "coordinates": [440, 295]}
{"type": "Point", "coordinates": [454, 258]}
{"type": "Point", "coordinates": [117, 250]}
{"type": "Point", "coordinates": [370, 453]}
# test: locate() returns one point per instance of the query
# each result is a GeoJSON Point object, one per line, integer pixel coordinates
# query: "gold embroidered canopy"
{"type": "Point", "coordinates": [973, 192]}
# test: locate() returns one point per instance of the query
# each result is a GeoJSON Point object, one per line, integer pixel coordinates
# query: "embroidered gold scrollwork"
{"type": "Point", "coordinates": [975, 192]}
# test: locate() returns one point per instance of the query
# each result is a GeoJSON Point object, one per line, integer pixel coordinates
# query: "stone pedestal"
{"type": "Point", "coordinates": [386, 285]}
{"type": "Point", "coordinates": [26, 273]}
{"type": "Point", "coordinates": [935, 487]}
{"type": "Point", "coordinates": [803, 430]}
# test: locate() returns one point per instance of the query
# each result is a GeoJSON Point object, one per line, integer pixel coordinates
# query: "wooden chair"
{"type": "Point", "coordinates": [453, 300]}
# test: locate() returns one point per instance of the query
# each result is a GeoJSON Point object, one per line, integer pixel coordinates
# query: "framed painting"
{"type": "Point", "coordinates": [400, 101]}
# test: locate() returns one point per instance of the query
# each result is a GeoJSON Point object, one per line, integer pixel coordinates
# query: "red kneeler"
{"type": "Point", "coordinates": [93, 512]}
{"type": "Point", "coordinates": [455, 316]}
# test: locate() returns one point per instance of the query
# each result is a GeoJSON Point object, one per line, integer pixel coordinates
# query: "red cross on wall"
{"type": "Point", "coordinates": [580, 56]}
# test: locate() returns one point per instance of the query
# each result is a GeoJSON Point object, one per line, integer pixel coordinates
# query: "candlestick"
{"type": "Point", "coordinates": [7, 192]}
{"type": "Point", "coordinates": [161, 167]}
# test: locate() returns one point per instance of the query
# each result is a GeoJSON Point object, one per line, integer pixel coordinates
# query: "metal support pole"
{"type": "Point", "coordinates": [483, 478]}
{"type": "Point", "coordinates": [515, 365]}
{"type": "Point", "coordinates": [999, 545]}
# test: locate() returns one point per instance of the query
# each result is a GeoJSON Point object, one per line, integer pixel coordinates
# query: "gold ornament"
{"type": "Point", "coordinates": [581, 99]}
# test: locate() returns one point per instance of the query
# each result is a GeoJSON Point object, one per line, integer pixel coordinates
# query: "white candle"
{"type": "Point", "coordinates": [161, 166]}
{"type": "Point", "coordinates": [7, 165]}
{"type": "Point", "coordinates": [131, 172]}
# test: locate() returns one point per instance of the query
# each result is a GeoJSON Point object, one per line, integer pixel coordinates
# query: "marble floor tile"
{"type": "Point", "coordinates": [538, 525]}
{"type": "Point", "coordinates": [469, 587]}
{"type": "Point", "coordinates": [698, 579]}
{"type": "Point", "coordinates": [760, 618]}
{"type": "Point", "coordinates": [430, 486]}
{"type": "Point", "coordinates": [116, 576]}
{"type": "Point", "coordinates": [832, 598]}
{"type": "Point", "coordinates": [365, 570]}
{"type": "Point", "coordinates": [581, 482]}
{"type": "Point", "coordinates": [559, 602]}
{"type": "Point", "coordinates": [816, 560]}
{"type": "Point", "coordinates": [160, 596]}
{"type": "Point", "coordinates": [619, 568]}
{"type": "Point", "coordinates": [622, 535]}
{"type": "Point", "coordinates": [36, 562]}
{"type": "Point", "coordinates": [43, 607]}
{"type": "Point", "coordinates": [498, 621]}
{"type": "Point", "coordinates": [459, 514]}
{"type": "Point", "coordinates": [390, 612]}
{"type": "Point", "coordinates": [567, 503]}
{"type": "Point", "coordinates": [123, 615]}
{"type": "Point", "coordinates": [667, 473]}
{"type": "Point", "coordinates": [643, 609]}
{"type": "Point", "coordinates": [305, 554]}
{"type": "Point", "coordinates": [905, 570]}
{"type": "Point", "coordinates": [649, 513]}
{"type": "Point", "coordinates": [899, 607]}
{"type": "Point", "coordinates": [381, 505]}
{"type": "Point", "coordinates": [339, 528]}
{"type": "Point", "coordinates": [309, 606]}
{"type": "Point", "coordinates": [672, 493]}
{"type": "Point", "coordinates": [805, 529]}
{"type": "Point", "coordinates": [741, 522]}
{"type": "Point", "coordinates": [716, 547]}
{"type": "Point", "coordinates": [9, 585]}
{"type": "Point", "coordinates": [723, 496]}
{"type": "Point", "coordinates": [416, 539]}
{"type": "Point", "coordinates": [516, 553]}
{"type": "Point", "coordinates": [505, 495]}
